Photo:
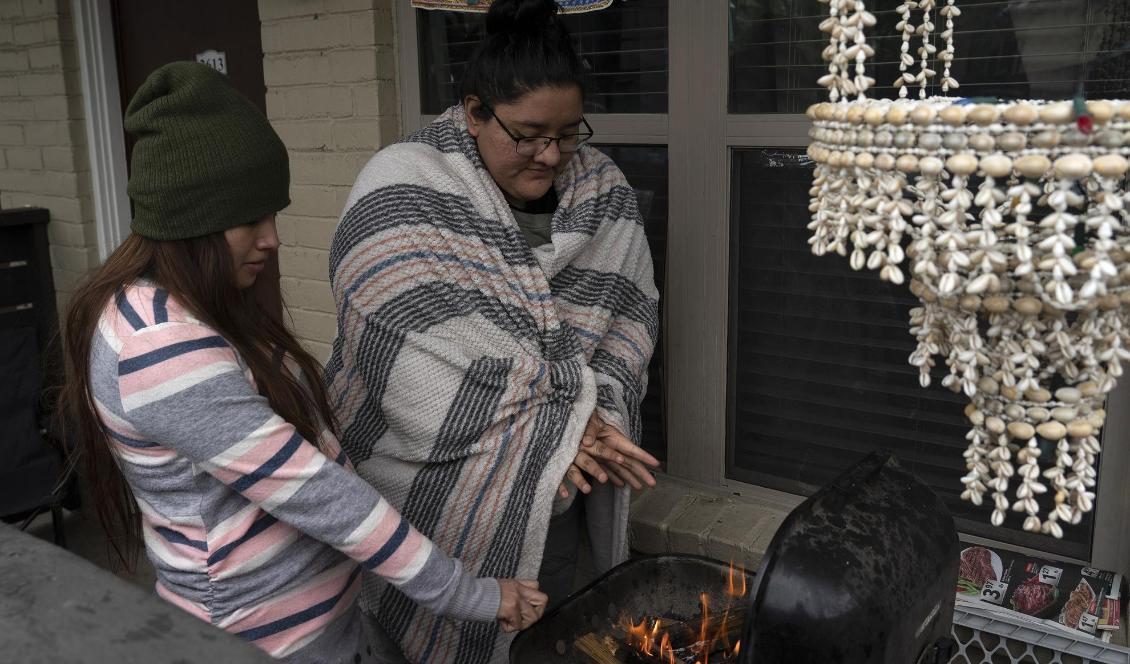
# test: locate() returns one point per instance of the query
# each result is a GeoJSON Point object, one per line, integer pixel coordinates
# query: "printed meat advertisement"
{"type": "Point", "coordinates": [1070, 596]}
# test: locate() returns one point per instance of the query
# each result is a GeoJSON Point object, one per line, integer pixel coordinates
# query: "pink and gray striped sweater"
{"type": "Point", "coordinates": [249, 526]}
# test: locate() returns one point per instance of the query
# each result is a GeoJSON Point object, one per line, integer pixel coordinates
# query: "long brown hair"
{"type": "Point", "coordinates": [199, 274]}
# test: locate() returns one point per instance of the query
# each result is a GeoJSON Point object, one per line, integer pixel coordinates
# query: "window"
{"type": "Point", "coordinates": [624, 46]}
{"type": "Point", "coordinates": [818, 352]}
{"type": "Point", "coordinates": [645, 166]}
{"type": "Point", "coordinates": [820, 376]}
{"type": "Point", "coordinates": [777, 369]}
{"type": "Point", "coordinates": [1037, 49]}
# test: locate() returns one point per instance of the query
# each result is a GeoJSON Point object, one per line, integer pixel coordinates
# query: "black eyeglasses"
{"type": "Point", "coordinates": [529, 146]}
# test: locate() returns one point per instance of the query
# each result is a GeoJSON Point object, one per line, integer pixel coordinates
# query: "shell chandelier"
{"type": "Point", "coordinates": [1008, 221]}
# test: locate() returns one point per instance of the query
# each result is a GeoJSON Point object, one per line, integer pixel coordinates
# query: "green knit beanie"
{"type": "Point", "coordinates": [205, 158]}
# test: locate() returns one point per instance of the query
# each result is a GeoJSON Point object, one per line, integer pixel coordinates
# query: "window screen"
{"type": "Point", "coordinates": [1009, 49]}
{"type": "Point", "coordinates": [624, 47]}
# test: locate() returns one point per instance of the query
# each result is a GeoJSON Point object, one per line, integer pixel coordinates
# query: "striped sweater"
{"type": "Point", "coordinates": [249, 526]}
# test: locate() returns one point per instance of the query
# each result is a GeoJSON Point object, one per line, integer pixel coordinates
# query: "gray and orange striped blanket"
{"type": "Point", "coordinates": [467, 364]}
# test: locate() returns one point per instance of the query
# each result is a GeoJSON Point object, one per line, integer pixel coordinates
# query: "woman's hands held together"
{"type": "Point", "coordinates": [521, 604]}
{"type": "Point", "coordinates": [606, 454]}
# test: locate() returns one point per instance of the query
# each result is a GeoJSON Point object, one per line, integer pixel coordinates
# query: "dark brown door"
{"type": "Point", "coordinates": [151, 33]}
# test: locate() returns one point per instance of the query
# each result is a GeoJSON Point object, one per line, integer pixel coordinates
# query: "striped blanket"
{"type": "Point", "coordinates": [467, 364]}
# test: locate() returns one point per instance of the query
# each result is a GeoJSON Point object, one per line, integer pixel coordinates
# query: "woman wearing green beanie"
{"type": "Point", "coordinates": [203, 425]}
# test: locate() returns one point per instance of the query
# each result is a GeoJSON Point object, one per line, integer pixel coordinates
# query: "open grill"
{"type": "Point", "coordinates": [862, 572]}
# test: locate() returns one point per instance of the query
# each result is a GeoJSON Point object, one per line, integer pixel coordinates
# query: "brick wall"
{"type": "Point", "coordinates": [329, 67]}
{"type": "Point", "coordinates": [43, 153]}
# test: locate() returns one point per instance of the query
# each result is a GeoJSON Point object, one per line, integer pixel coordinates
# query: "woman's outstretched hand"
{"type": "Point", "coordinates": [521, 604]}
{"type": "Point", "coordinates": [606, 454]}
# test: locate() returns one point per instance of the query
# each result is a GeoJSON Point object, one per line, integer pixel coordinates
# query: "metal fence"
{"type": "Point", "coordinates": [986, 637]}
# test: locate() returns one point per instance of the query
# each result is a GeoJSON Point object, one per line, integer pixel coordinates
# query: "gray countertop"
{"type": "Point", "coordinates": [56, 607]}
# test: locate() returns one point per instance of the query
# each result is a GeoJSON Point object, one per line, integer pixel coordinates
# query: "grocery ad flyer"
{"type": "Point", "coordinates": [1081, 599]}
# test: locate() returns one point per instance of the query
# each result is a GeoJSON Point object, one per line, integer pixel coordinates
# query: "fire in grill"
{"type": "Point", "coordinates": [862, 572]}
{"type": "Point", "coordinates": [675, 609]}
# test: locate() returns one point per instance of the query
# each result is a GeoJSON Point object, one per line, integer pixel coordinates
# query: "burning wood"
{"type": "Point", "coordinates": [712, 636]}
{"type": "Point", "coordinates": [595, 650]}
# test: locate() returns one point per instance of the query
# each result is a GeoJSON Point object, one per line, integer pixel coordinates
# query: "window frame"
{"type": "Point", "coordinates": [700, 135]}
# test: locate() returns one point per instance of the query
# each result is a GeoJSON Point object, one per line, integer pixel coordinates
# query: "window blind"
{"type": "Point", "coordinates": [1009, 49]}
{"type": "Point", "coordinates": [645, 167]}
{"type": "Point", "coordinates": [624, 47]}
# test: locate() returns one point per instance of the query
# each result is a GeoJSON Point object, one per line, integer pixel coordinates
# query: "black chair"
{"type": "Point", "coordinates": [33, 475]}
{"type": "Point", "coordinates": [32, 478]}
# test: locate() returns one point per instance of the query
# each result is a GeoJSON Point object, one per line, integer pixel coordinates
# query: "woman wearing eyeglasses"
{"type": "Point", "coordinates": [496, 316]}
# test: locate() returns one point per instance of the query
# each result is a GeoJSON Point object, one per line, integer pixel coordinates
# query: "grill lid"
{"type": "Point", "coordinates": [862, 572]}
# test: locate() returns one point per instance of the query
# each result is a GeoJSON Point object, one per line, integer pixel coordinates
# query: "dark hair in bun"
{"type": "Point", "coordinates": [526, 47]}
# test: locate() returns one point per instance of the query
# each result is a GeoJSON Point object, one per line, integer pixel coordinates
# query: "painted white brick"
{"type": "Point", "coordinates": [384, 32]}
{"type": "Point", "coordinates": [314, 326]}
{"type": "Point", "coordinates": [71, 235]}
{"type": "Point", "coordinates": [304, 263]}
{"type": "Point", "coordinates": [324, 31]}
{"type": "Point", "coordinates": [310, 232]}
{"type": "Point", "coordinates": [59, 107]}
{"type": "Point", "coordinates": [331, 168]}
{"type": "Point", "coordinates": [46, 57]}
{"type": "Point", "coordinates": [320, 351]}
{"type": "Point", "coordinates": [13, 61]}
{"type": "Point", "coordinates": [65, 282]}
{"type": "Point", "coordinates": [366, 134]}
{"type": "Point", "coordinates": [34, 8]}
{"type": "Point", "coordinates": [17, 109]}
{"type": "Point", "coordinates": [354, 65]}
{"type": "Point", "coordinates": [308, 102]}
{"type": "Point", "coordinates": [11, 134]}
{"type": "Point", "coordinates": [308, 294]}
{"type": "Point", "coordinates": [64, 209]}
{"type": "Point", "coordinates": [376, 99]}
{"type": "Point", "coordinates": [55, 133]}
{"type": "Point", "coordinates": [61, 28]}
{"type": "Point", "coordinates": [362, 30]}
{"type": "Point", "coordinates": [274, 9]}
{"type": "Point", "coordinates": [24, 34]}
{"type": "Point", "coordinates": [24, 158]}
{"type": "Point", "coordinates": [276, 103]}
{"type": "Point", "coordinates": [73, 259]}
{"type": "Point", "coordinates": [340, 6]}
{"type": "Point", "coordinates": [279, 70]}
{"type": "Point", "coordinates": [313, 201]}
{"type": "Point", "coordinates": [9, 86]}
{"type": "Point", "coordinates": [65, 159]}
{"type": "Point", "coordinates": [304, 134]}
{"type": "Point", "coordinates": [43, 84]}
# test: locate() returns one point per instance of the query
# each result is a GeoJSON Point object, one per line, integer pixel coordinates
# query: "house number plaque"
{"type": "Point", "coordinates": [217, 60]}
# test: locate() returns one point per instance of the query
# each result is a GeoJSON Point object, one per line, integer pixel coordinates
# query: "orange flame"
{"type": "Point", "coordinates": [650, 639]}
{"type": "Point", "coordinates": [736, 589]}
{"type": "Point", "coordinates": [665, 649]}
{"type": "Point", "coordinates": [636, 634]}
{"type": "Point", "coordinates": [702, 628]}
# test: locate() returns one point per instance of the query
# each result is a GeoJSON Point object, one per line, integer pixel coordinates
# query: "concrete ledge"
{"type": "Point", "coordinates": [57, 607]}
{"type": "Point", "coordinates": [674, 517]}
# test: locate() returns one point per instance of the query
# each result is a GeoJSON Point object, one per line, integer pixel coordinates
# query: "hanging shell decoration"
{"type": "Point", "coordinates": [1010, 222]}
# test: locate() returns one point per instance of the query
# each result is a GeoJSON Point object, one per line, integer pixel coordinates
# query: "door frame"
{"type": "Point", "coordinates": [98, 68]}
